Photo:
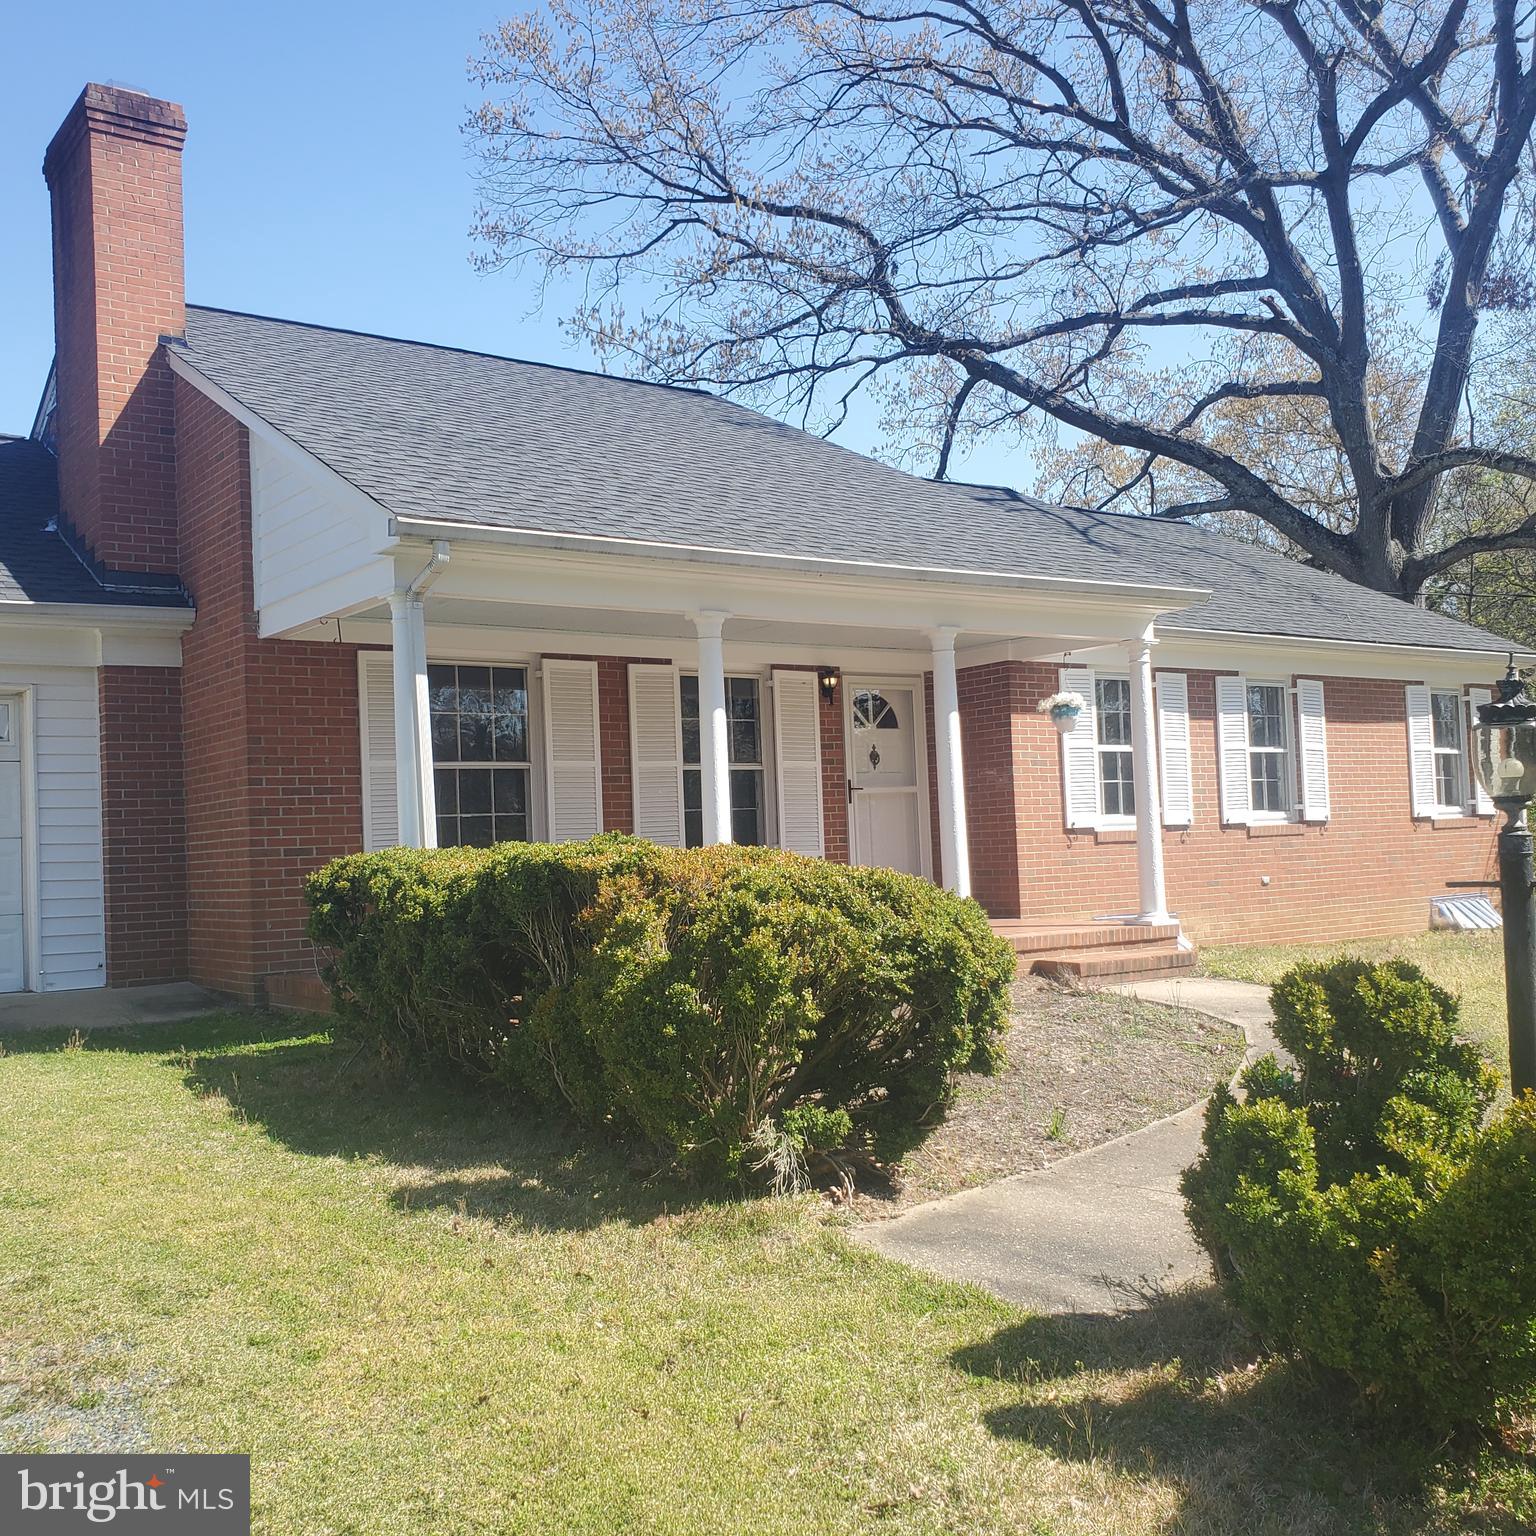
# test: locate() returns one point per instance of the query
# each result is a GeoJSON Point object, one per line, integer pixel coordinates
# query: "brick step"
{"type": "Point", "coordinates": [1096, 964]}
{"type": "Point", "coordinates": [1031, 938]}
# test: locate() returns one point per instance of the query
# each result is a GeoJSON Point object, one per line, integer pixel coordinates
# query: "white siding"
{"type": "Point", "coordinates": [66, 808]}
{"type": "Point", "coordinates": [305, 531]}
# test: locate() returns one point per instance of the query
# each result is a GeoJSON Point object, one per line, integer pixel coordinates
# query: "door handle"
{"type": "Point", "coordinates": [852, 787]}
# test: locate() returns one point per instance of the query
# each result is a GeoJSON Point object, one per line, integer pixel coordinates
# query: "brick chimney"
{"type": "Point", "coordinates": [114, 172]}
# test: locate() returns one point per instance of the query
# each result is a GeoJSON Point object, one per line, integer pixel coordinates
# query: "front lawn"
{"type": "Point", "coordinates": [1470, 965]}
{"type": "Point", "coordinates": [421, 1312]}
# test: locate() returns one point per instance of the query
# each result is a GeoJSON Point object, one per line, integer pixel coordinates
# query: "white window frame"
{"type": "Point", "coordinates": [1113, 820]}
{"type": "Point", "coordinates": [1286, 751]}
{"type": "Point", "coordinates": [1460, 753]}
{"type": "Point", "coordinates": [538, 810]}
{"type": "Point", "coordinates": [764, 746]}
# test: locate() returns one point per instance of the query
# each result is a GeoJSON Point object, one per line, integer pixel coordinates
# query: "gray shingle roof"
{"type": "Point", "coordinates": [36, 566]}
{"type": "Point", "coordinates": [431, 432]}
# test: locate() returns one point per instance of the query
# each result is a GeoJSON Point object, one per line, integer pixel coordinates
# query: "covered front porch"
{"type": "Point", "coordinates": [527, 685]}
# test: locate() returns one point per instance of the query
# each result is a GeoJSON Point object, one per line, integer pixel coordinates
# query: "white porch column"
{"type": "Point", "coordinates": [414, 798]}
{"type": "Point", "coordinates": [714, 739]}
{"type": "Point", "coordinates": [954, 844]}
{"type": "Point", "coordinates": [1153, 892]}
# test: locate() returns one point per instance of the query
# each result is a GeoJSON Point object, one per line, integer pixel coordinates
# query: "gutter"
{"type": "Point", "coordinates": [100, 615]}
{"type": "Point", "coordinates": [439, 530]}
{"type": "Point", "coordinates": [1270, 637]}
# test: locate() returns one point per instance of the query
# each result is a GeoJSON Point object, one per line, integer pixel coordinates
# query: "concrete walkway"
{"type": "Point", "coordinates": [1092, 1232]}
{"type": "Point", "coordinates": [106, 1007]}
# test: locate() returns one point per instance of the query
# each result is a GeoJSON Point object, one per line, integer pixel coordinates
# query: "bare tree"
{"type": "Point", "coordinates": [1126, 217]}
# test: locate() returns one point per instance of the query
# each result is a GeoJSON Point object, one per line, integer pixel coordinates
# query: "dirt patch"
{"type": "Point", "coordinates": [1083, 1067]}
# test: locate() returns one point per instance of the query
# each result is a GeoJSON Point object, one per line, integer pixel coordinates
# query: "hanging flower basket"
{"type": "Point", "coordinates": [1064, 709]}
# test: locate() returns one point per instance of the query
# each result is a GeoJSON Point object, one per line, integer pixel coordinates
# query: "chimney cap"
{"type": "Point", "coordinates": [116, 112]}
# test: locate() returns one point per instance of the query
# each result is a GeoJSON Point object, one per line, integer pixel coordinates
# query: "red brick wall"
{"type": "Point", "coordinates": [273, 769]}
{"type": "Point", "coordinates": [613, 731]}
{"type": "Point", "coordinates": [987, 708]}
{"type": "Point", "coordinates": [1369, 870]}
{"type": "Point", "coordinates": [143, 812]}
{"type": "Point", "coordinates": [114, 169]}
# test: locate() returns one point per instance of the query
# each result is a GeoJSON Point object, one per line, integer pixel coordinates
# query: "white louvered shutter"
{"type": "Point", "coordinates": [572, 755]}
{"type": "Point", "coordinates": [1173, 749]}
{"type": "Point", "coordinates": [797, 761]}
{"type": "Point", "coordinates": [376, 710]}
{"type": "Point", "coordinates": [656, 752]}
{"type": "Point", "coordinates": [1481, 804]}
{"type": "Point", "coordinates": [1079, 753]}
{"type": "Point", "coordinates": [1312, 749]}
{"type": "Point", "coordinates": [1421, 750]}
{"type": "Point", "coordinates": [1232, 749]}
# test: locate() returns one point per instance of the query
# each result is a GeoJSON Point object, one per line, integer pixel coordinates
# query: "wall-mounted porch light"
{"type": "Point", "coordinates": [827, 680]}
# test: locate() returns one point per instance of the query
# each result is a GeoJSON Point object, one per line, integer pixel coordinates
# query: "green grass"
{"type": "Point", "coordinates": [423, 1311]}
{"type": "Point", "coordinates": [1471, 965]}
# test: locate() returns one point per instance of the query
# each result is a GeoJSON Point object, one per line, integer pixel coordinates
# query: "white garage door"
{"type": "Point", "coordinates": [13, 946]}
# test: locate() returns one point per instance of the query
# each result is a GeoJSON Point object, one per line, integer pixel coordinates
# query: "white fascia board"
{"type": "Point", "coordinates": [623, 581]}
{"type": "Point", "coordinates": [92, 635]}
{"type": "Point", "coordinates": [138, 618]}
{"type": "Point", "coordinates": [1288, 655]}
{"type": "Point", "coordinates": [1157, 597]}
{"type": "Point", "coordinates": [462, 642]}
{"type": "Point", "coordinates": [1223, 638]}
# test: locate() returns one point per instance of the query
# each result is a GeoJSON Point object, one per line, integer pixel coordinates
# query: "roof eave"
{"type": "Point", "coordinates": [1154, 596]}
{"type": "Point", "coordinates": [105, 615]}
{"type": "Point", "coordinates": [1269, 637]}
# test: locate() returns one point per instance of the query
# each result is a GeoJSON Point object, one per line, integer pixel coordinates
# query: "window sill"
{"type": "Point", "coordinates": [1277, 829]}
{"type": "Point", "coordinates": [1115, 833]}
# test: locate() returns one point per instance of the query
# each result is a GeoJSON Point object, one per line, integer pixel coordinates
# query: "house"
{"type": "Point", "coordinates": [272, 592]}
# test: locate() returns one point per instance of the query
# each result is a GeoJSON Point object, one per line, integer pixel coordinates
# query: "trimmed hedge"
{"type": "Point", "coordinates": [696, 998]}
{"type": "Point", "coordinates": [1359, 1212]}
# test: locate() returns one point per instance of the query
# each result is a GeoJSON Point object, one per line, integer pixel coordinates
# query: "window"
{"type": "Point", "coordinates": [1269, 749]}
{"type": "Point", "coordinates": [479, 754]}
{"type": "Point", "coordinates": [1450, 751]}
{"type": "Point", "coordinates": [873, 711]}
{"type": "Point", "coordinates": [744, 734]}
{"type": "Point", "coordinates": [1112, 705]}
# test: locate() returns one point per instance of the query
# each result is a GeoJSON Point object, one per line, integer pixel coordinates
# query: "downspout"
{"type": "Point", "coordinates": [429, 573]}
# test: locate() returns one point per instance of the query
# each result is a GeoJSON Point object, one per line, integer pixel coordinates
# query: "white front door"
{"type": "Point", "coordinates": [884, 774]}
{"type": "Point", "coordinates": [13, 943]}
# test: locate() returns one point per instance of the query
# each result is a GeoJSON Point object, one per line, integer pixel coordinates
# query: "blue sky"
{"type": "Point", "coordinates": [326, 178]}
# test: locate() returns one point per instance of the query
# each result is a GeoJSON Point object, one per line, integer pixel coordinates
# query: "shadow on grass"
{"type": "Point", "coordinates": [457, 1145]}
{"type": "Point", "coordinates": [1177, 1391]}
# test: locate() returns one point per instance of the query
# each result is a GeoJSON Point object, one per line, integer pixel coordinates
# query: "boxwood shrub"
{"type": "Point", "coordinates": [1361, 1214]}
{"type": "Point", "coordinates": [689, 997]}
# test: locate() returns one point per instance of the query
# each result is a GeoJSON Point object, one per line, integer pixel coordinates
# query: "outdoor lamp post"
{"type": "Point", "coordinates": [1506, 765]}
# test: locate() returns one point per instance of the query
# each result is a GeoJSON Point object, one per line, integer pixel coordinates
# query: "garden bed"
{"type": "Point", "coordinates": [1083, 1067]}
